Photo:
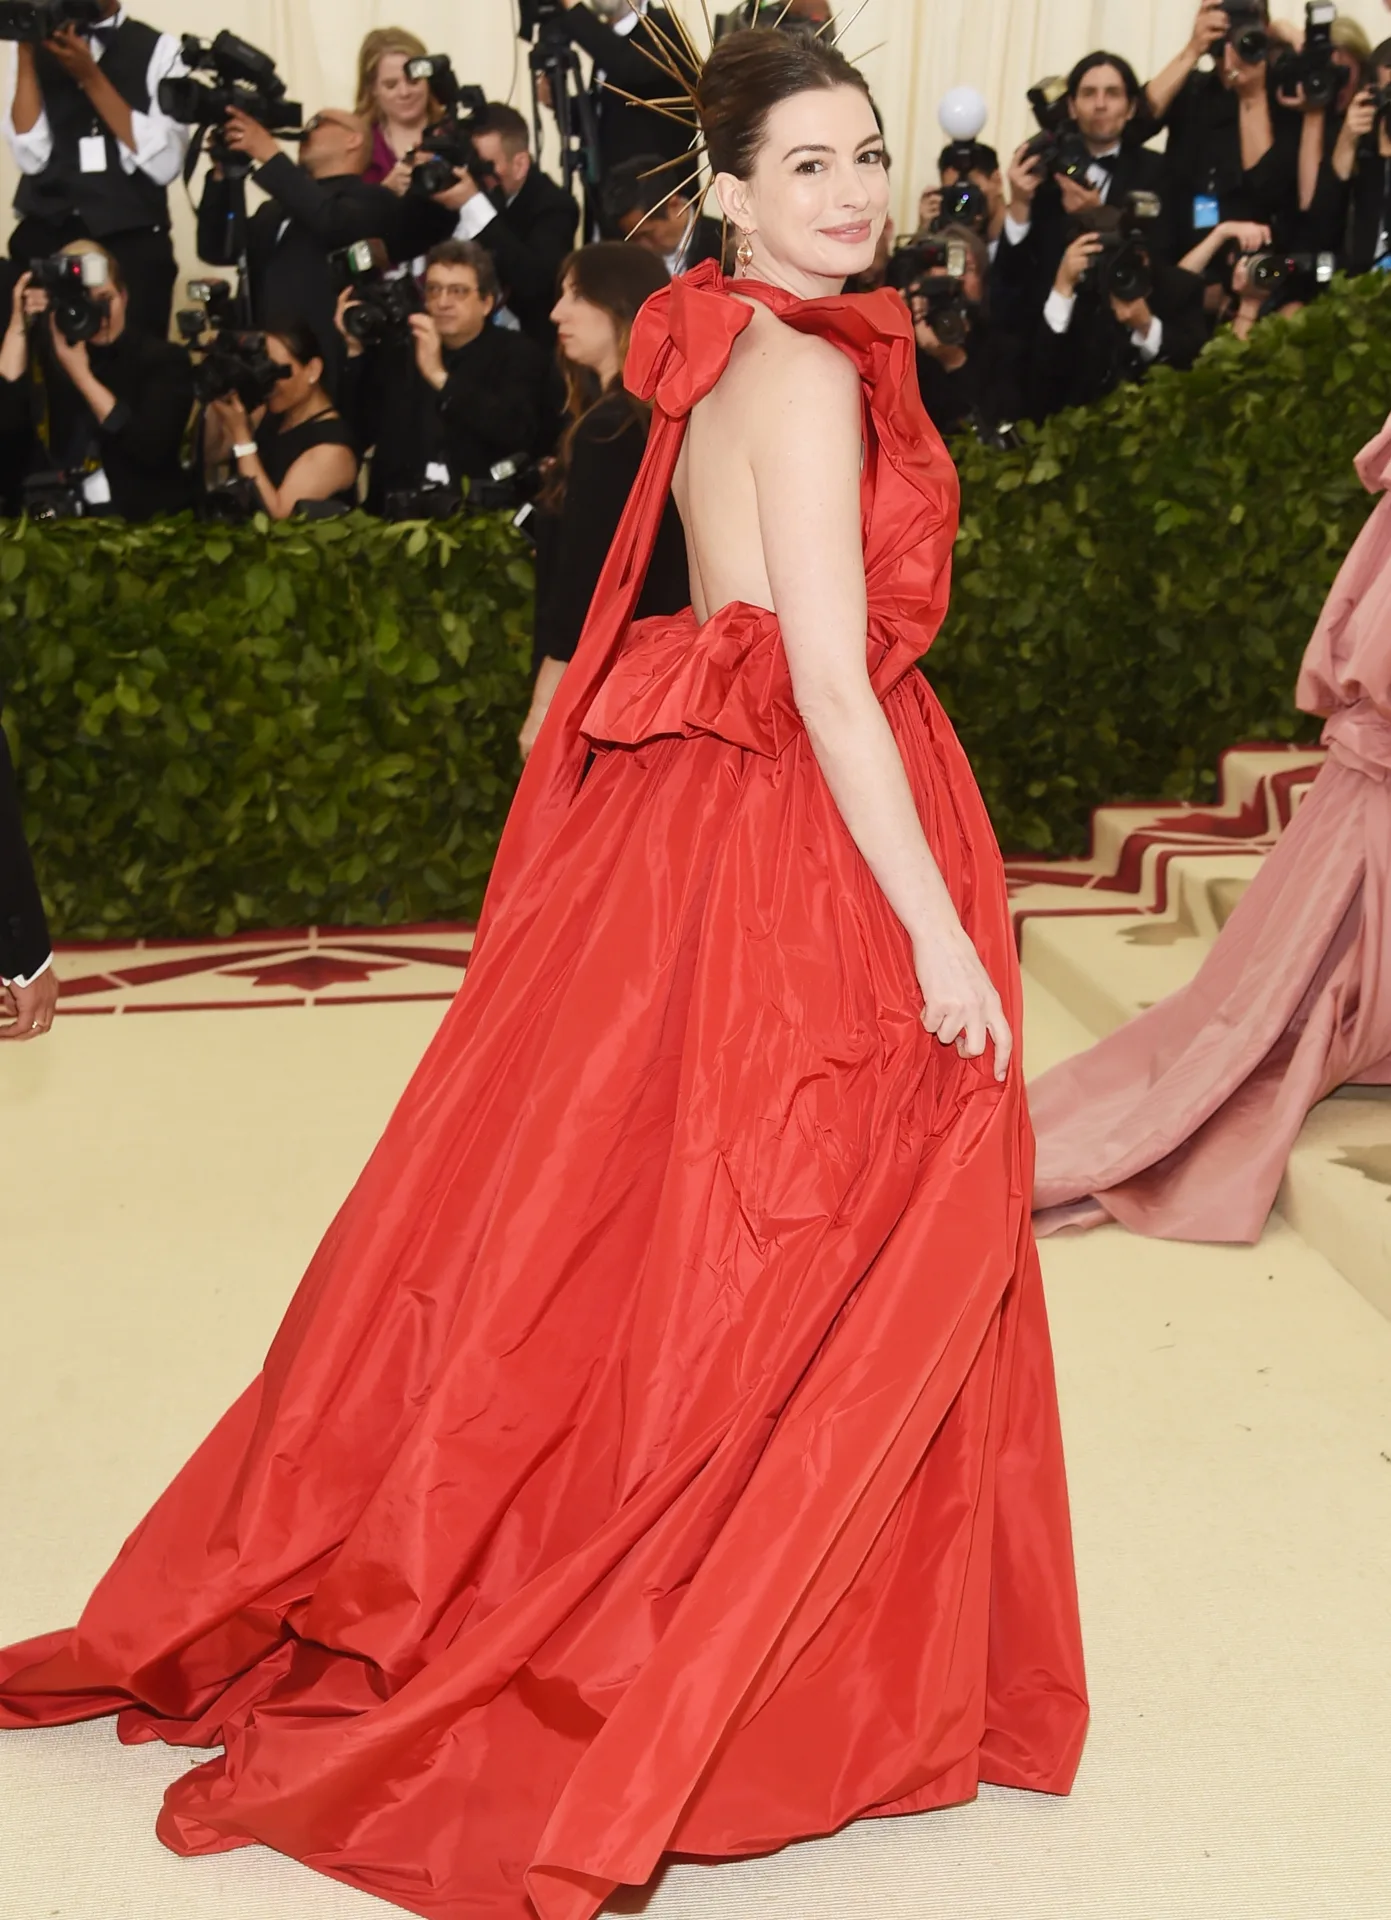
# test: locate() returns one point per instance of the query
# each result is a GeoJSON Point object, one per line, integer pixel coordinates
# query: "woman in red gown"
{"type": "Point", "coordinates": [661, 1453]}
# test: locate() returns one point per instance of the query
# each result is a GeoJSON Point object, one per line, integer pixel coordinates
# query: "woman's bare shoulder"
{"type": "Point", "coordinates": [782, 362]}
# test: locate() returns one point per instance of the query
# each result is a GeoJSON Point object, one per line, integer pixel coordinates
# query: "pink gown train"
{"type": "Point", "coordinates": [1180, 1124]}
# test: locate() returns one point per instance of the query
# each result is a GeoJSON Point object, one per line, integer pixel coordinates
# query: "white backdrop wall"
{"type": "Point", "coordinates": [920, 48]}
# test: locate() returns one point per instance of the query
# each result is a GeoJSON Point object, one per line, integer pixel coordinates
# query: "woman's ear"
{"type": "Point", "coordinates": [315, 369]}
{"type": "Point", "coordinates": [733, 196]}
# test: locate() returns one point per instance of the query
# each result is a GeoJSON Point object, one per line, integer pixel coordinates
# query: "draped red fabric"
{"type": "Point", "coordinates": [661, 1453]}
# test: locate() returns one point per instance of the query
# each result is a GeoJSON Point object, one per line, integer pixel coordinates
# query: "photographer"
{"type": "Point", "coordinates": [640, 205]}
{"type": "Point", "coordinates": [450, 395]}
{"type": "Point", "coordinates": [629, 42]}
{"type": "Point", "coordinates": [519, 214]}
{"type": "Point", "coordinates": [96, 153]}
{"type": "Point", "coordinates": [962, 165]}
{"type": "Point", "coordinates": [1094, 165]}
{"type": "Point", "coordinates": [1233, 146]}
{"type": "Point", "coordinates": [315, 207]}
{"type": "Point", "coordinates": [602, 288]}
{"type": "Point", "coordinates": [297, 448]}
{"type": "Point", "coordinates": [969, 374]}
{"type": "Point", "coordinates": [1115, 310]}
{"type": "Point", "coordinates": [116, 402]}
{"type": "Point", "coordinates": [1349, 212]}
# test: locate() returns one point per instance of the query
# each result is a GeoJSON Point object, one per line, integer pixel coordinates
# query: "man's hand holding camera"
{"type": "Point", "coordinates": [1077, 195]}
{"type": "Point", "coordinates": [244, 134]}
{"type": "Point", "coordinates": [1074, 264]}
{"type": "Point", "coordinates": [458, 196]}
{"type": "Point", "coordinates": [73, 52]}
{"type": "Point", "coordinates": [1362, 118]}
{"type": "Point", "coordinates": [429, 350]}
{"type": "Point", "coordinates": [1025, 179]}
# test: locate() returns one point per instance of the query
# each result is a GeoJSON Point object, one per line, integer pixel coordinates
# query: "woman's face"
{"type": "Point", "coordinates": [403, 101]}
{"type": "Point", "coordinates": [588, 335]}
{"type": "Point", "coordinates": [818, 196]}
{"type": "Point", "coordinates": [298, 384]}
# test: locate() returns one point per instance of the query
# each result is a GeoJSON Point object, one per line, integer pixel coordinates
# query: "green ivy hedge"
{"type": "Point", "coordinates": [1135, 585]}
{"type": "Point", "coordinates": [280, 724]}
{"type": "Point", "coordinates": [268, 725]}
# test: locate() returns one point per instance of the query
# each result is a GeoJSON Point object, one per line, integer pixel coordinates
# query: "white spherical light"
{"type": "Point", "coordinates": [962, 113]}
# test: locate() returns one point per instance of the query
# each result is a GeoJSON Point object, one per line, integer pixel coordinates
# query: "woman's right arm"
{"type": "Point", "coordinates": [805, 451]}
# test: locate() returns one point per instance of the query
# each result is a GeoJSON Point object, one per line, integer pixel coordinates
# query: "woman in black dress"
{"type": "Point", "coordinates": [601, 289]}
{"type": "Point", "coordinates": [298, 447]}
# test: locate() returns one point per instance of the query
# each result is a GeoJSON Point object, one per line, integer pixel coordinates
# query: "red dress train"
{"type": "Point", "coordinates": [661, 1452]}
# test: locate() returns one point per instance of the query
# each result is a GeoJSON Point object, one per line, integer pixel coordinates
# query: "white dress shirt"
{"type": "Point", "coordinates": [160, 143]}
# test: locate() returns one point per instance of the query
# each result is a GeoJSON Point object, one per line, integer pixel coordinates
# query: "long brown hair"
{"type": "Point", "coordinates": [748, 74]}
{"type": "Point", "coordinates": [375, 46]}
{"type": "Point", "coordinates": [615, 276]}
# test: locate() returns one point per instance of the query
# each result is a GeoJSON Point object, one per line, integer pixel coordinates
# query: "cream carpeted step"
{"type": "Point", "coordinates": [1101, 970]}
{"type": "Point", "coordinates": [1107, 965]}
{"type": "Point", "coordinates": [1337, 1191]}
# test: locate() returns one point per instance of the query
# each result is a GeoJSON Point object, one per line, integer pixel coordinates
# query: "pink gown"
{"type": "Point", "coordinates": [1180, 1123]}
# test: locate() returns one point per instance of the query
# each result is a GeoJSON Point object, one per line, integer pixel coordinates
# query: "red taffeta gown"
{"type": "Point", "coordinates": [661, 1452]}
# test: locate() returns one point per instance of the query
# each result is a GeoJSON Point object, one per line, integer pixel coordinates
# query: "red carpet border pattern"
{"type": "Point", "coordinates": [311, 967]}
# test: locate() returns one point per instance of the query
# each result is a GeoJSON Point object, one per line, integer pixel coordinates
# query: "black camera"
{"type": "Point", "coordinates": [1314, 67]}
{"type": "Point", "coordinates": [536, 18]}
{"type": "Point", "coordinates": [1247, 34]}
{"type": "Point", "coordinates": [1064, 153]}
{"type": "Point", "coordinates": [41, 19]}
{"type": "Point", "coordinates": [228, 72]}
{"type": "Point", "coordinates": [930, 274]}
{"type": "Point", "coordinates": [508, 485]}
{"type": "Point", "coordinates": [428, 502]}
{"type": "Point", "coordinates": [1299, 276]}
{"type": "Point", "coordinates": [1381, 100]}
{"type": "Point", "coordinates": [231, 504]}
{"type": "Point", "coordinates": [1121, 268]}
{"type": "Point", "coordinates": [447, 144]}
{"type": "Point", "coordinates": [54, 496]}
{"type": "Point", "coordinates": [963, 205]}
{"type": "Point", "coordinates": [913, 259]}
{"type": "Point", "coordinates": [940, 301]}
{"type": "Point", "coordinates": [73, 282]}
{"type": "Point", "coordinates": [234, 359]}
{"type": "Point", "coordinates": [1049, 103]}
{"type": "Point", "coordinates": [382, 302]}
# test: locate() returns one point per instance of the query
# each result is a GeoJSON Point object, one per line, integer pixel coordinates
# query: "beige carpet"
{"type": "Point", "coordinates": [1229, 1425]}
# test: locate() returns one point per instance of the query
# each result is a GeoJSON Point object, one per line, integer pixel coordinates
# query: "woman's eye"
{"type": "Point", "coordinates": [875, 157]}
{"type": "Point", "coordinates": [808, 166]}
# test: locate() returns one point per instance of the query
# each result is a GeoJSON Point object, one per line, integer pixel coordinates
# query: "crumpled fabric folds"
{"type": "Point", "coordinates": [661, 1452]}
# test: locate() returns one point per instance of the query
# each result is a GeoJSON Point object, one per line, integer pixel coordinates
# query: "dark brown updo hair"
{"type": "Point", "coordinates": [747, 75]}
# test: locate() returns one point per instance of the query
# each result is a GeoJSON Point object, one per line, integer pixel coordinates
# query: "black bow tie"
{"type": "Point", "coordinates": [1110, 161]}
{"type": "Point", "coordinates": [103, 36]}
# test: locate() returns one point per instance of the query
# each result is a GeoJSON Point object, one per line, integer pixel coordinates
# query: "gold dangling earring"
{"type": "Point", "coordinates": [743, 253]}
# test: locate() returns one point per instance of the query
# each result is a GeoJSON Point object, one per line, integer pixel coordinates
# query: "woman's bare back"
{"type": "Point", "coordinates": [713, 485]}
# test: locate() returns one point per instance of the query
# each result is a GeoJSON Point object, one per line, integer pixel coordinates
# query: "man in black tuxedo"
{"type": "Point", "coordinates": [1104, 97]}
{"type": "Point", "coordinates": [315, 207]}
{"type": "Point", "coordinates": [28, 985]}
{"type": "Point", "coordinates": [626, 39]}
{"type": "Point", "coordinates": [1091, 339]}
{"type": "Point", "coordinates": [520, 215]}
